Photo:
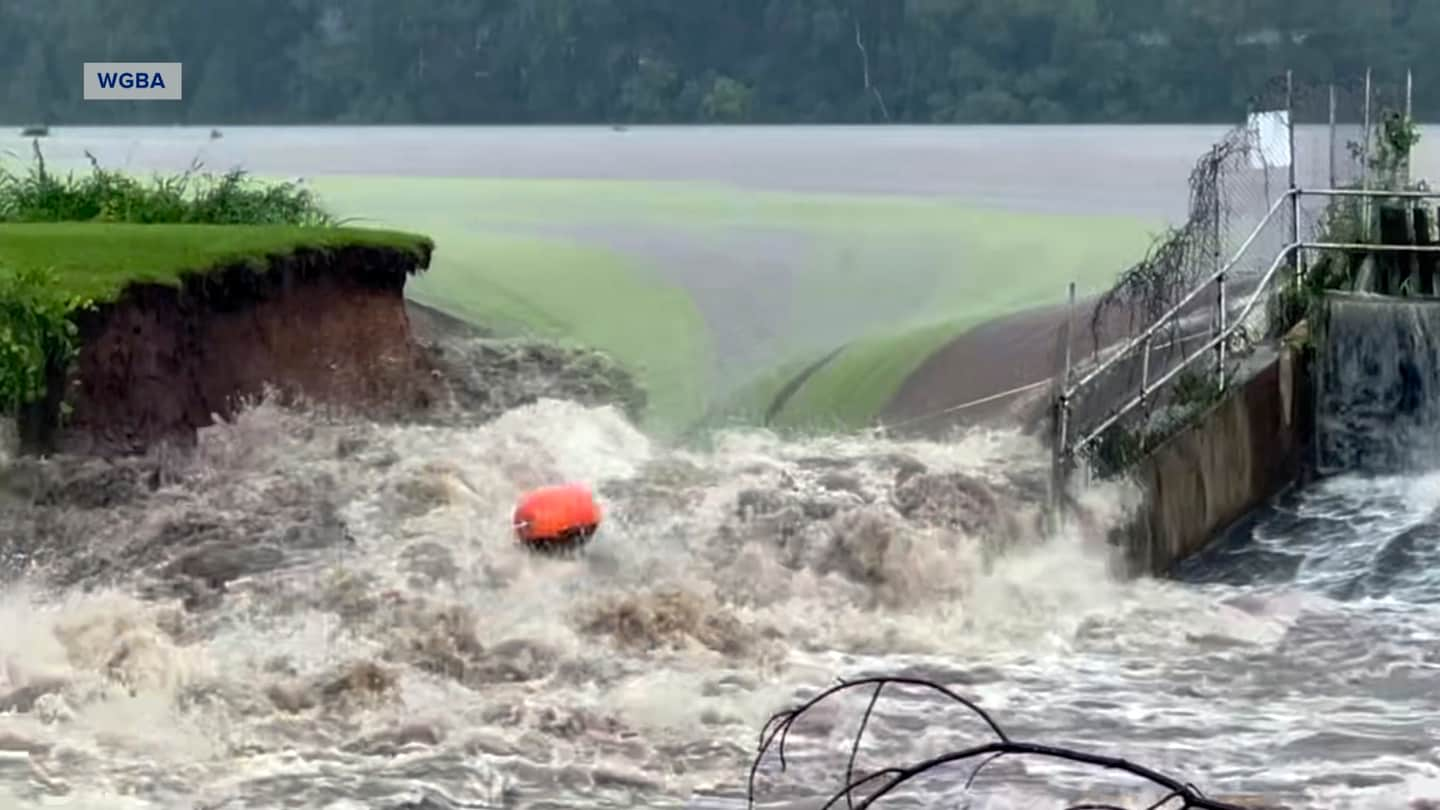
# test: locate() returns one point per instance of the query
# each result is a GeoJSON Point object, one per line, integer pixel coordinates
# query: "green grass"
{"type": "Point", "coordinates": [39, 193]}
{"type": "Point", "coordinates": [956, 264]}
{"type": "Point", "coordinates": [98, 260]}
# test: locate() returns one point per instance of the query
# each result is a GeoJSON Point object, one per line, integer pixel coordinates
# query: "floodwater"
{"type": "Point", "coordinates": [315, 612]}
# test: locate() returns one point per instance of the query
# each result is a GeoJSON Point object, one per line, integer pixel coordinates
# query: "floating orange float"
{"type": "Point", "coordinates": [557, 518]}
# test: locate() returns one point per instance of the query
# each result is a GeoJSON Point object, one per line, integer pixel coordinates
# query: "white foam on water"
{"type": "Point", "coordinates": [642, 671]}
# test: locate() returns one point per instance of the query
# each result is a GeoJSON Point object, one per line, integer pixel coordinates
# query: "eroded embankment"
{"type": "Point", "coordinates": [329, 325]}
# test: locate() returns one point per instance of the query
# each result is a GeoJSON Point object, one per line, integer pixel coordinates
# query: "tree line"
{"type": "Point", "coordinates": [692, 61]}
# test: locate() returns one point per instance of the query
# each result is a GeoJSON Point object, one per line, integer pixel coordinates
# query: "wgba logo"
{"type": "Point", "coordinates": [132, 81]}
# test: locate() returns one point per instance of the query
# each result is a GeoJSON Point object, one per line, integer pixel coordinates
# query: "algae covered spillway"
{"type": "Point", "coordinates": [716, 294]}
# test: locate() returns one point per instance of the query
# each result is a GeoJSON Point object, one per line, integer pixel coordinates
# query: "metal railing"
{"type": "Point", "coordinates": [1067, 450]}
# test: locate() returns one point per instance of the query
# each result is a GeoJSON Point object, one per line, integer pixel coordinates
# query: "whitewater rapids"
{"type": "Point", "coordinates": [315, 612]}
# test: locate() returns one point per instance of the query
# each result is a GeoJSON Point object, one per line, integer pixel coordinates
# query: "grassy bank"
{"type": "Point", "coordinates": [98, 260]}
{"type": "Point", "coordinates": [96, 230]}
{"type": "Point", "coordinates": [70, 241]}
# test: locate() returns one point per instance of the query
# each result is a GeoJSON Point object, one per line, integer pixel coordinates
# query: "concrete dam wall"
{"type": "Point", "coordinates": [1229, 461]}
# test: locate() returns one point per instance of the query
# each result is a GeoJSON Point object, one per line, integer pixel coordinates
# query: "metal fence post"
{"type": "Point", "coordinates": [1365, 165]}
{"type": "Point", "coordinates": [1219, 266]}
{"type": "Point", "coordinates": [1332, 136]}
{"type": "Point", "coordinates": [1069, 336]}
{"type": "Point", "coordinates": [1299, 263]}
{"type": "Point", "coordinates": [1145, 370]}
{"type": "Point", "coordinates": [1220, 333]}
{"type": "Point", "coordinates": [1061, 451]}
{"type": "Point", "coordinates": [1409, 110]}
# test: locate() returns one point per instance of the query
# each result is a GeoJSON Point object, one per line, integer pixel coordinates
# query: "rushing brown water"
{"type": "Point", "coordinates": [314, 612]}
{"type": "Point", "coordinates": [318, 613]}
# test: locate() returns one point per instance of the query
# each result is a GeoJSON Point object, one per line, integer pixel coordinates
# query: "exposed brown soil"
{"type": "Point", "coordinates": [330, 326]}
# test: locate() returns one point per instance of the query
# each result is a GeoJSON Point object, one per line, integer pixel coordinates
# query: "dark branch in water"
{"type": "Point", "coordinates": [1166, 800]}
{"type": "Point", "coordinates": [777, 730]}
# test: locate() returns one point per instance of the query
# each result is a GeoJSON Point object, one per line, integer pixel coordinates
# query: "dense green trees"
{"type": "Point", "coordinates": [562, 61]}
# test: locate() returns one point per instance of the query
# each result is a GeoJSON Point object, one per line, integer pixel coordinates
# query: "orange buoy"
{"type": "Point", "coordinates": [557, 518]}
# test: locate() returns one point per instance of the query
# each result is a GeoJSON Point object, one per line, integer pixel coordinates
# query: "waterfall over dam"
{"type": "Point", "coordinates": [1378, 397]}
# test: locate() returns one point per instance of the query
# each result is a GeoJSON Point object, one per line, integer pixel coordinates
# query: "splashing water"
{"type": "Point", "coordinates": [1379, 371]}
{"type": "Point", "coordinates": [321, 613]}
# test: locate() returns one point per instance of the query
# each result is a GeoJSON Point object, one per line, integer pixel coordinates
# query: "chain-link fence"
{"type": "Point", "coordinates": [1204, 274]}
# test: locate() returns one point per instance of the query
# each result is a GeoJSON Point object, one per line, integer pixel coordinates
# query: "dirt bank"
{"type": "Point", "coordinates": [328, 325]}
